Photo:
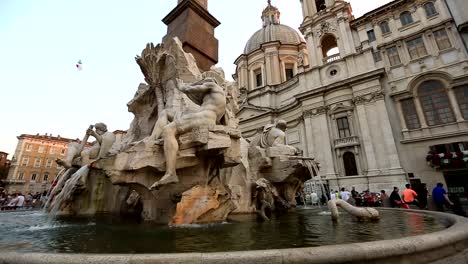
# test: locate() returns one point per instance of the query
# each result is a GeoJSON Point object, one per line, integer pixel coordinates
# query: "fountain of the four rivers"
{"type": "Point", "coordinates": [183, 186]}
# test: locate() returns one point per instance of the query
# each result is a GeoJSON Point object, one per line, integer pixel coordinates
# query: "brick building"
{"type": "Point", "coordinates": [33, 165]}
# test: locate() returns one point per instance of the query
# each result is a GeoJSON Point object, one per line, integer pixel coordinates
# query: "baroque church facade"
{"type": "Point", "coordinates": [377, 100]}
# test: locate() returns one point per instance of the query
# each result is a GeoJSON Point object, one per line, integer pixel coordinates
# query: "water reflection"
{"type": "Point", "coordinates": [30, 232]}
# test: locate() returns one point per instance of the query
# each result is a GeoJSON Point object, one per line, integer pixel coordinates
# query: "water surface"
{"type": "Point", "coordinates": [32, 232]}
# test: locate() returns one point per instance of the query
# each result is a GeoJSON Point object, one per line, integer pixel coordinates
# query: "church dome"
{"type": "Point", "coordinates": [272, 31]}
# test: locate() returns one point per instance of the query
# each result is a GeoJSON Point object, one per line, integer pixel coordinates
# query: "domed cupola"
{"type": "Point", "coordinates": [272, 31]}
{"type": "Point", "coordinates": [274, 54]}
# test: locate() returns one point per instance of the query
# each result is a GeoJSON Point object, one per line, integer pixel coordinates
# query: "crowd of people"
{"type": "Point", "coordinates": [16, 200]}
{"type": "Point", "coordinates": [439, 199]}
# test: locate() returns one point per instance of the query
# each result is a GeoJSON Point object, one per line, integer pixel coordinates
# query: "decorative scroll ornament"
{"type": "Point", "coordinates": [372, 97]}
{"type": "Point", "coordinates": [317, 111]}
{"type": "Point", "coordinates": [326, 27]}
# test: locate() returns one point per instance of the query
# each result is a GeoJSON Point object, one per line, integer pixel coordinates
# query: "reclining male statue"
{"type": "Point", "coordinates": [101, 147]}
{"type": "Point", "coordinates": [212, 100]}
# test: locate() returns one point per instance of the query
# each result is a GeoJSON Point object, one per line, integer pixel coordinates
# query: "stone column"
{"type": "Point", "coordinates": [420, 112]}
{"type": "Point", "coordinates": [322, 138]}
{"type": "Point", "coordinates": [386, 129]}
{"type": "Point", "coordinates": [401, 116]}
{"type": "Point", "coordinates": [347, 45]}
{"type": "Point", "coordinates": [309, 134]}
{"type": "Point", "coordinates": [366, 138]}
{"type": "Point", "coordinates": [456, 109]}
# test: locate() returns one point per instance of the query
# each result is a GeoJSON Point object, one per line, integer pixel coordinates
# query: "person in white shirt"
{"type": "Point", "coordinates": [20, 202]}
{"type": "Point", "coordinates": [345, 194]}
{"type": "Point", "coordinates": [332, 195]}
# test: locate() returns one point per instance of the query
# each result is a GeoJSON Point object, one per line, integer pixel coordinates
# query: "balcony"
{"type": "Point", "coordinates": [14, 181]}
{"type": "Point", "coordinates": [346, 142]}
{"type": "Point", "coordinates": [331, 58]}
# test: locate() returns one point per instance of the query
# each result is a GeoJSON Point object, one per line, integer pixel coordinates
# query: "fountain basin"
{"type": "Point", "coordinates": [448, 245]}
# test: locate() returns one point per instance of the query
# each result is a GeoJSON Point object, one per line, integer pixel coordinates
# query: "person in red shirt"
{"type": "Point", "coordinates": [409, 196]}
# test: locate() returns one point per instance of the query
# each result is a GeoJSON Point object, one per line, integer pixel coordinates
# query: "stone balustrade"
{"type": "Point", "coordinates": [346, 142]}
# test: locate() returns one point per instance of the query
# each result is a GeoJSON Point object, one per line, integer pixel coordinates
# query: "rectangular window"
{"type": "Point", "coordinates": [37, 162]}
{"type": "Point", "coordinates": [62, 152]}
{"type": "Point", "coordinates": [462, 97]}
{"type": "Point", "coordinates": [21, 176]}
{"type": "Point", "coordinates": [33, 176]}
{"type": "Point", "coordinates": [46, 177]}
{"type": "Point", "coordinates": [442, 39]}
{"type": "Point", "coordinates": [410, 114]}
{"type": "Point", "coordinates": [25, 161]}
{"type": "Point", "coordinates": [416, 48]}
{"type": "Point", "coordinates": [49, 163]}
{"type": "Point", "coordinates": [376, 55]}
{"type": "Point", "coordinates": [28, 147]}
{"type": "Point", "coordinates": [40, 149]}
{"type": "Point", "coordinates": [258, 78]}
{"type": "Point", "coordinates": [52, 150]}
{"type": "Point", "coordinates": [289, 73]}
{"type": "Point", "coordinates": [393, 56]}
{"type": "Point", "coordinates": [371, 35]}
{"type": "Point", "coordinates": [343, 127]}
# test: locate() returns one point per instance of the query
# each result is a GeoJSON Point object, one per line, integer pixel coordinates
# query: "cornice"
{"type": "Point", "coordinates": [196, 7]}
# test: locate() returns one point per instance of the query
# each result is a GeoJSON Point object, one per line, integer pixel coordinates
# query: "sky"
{"type": "Point", "coordinates": [41, 91]}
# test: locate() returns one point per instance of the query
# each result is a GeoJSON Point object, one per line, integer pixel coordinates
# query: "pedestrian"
{"type": "Point", "coordinates": [409, 196]}
{"type": "Point", "coordinates": [422, 196]}
{"type": "Point", "coordinates": [395, 199]}
{"type": "Point", "coordinates": [439, 194]}
{"type": "Point", "coordinates": [345, 194]}
{"type": "Point", "coordinates": [355, 196]}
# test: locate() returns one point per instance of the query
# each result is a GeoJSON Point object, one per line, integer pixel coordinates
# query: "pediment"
{"type": "Point", "coordinates": [338, 108]}
{"type": "Point", "coordinates": [247, 111]}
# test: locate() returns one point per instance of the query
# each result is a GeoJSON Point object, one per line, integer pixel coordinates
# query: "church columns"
{"type": "Point", "coordinates": [386, 128]}
{"type": "Point", "coordinates": [345, 48]}
{"type": "Point", "coordinates": [420, 112]}
{"type": "Point", "coordinates": [401, 115]}
{"type": "Point", "coordinates": [366, 138]}
{"type": "Point", "coordinates": [319, 140]}
{"type": "Point", "coordinates": [453, 101]}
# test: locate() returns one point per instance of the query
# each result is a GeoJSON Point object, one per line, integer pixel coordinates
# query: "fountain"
{"type": "Point", "coordinates": [184, 181]}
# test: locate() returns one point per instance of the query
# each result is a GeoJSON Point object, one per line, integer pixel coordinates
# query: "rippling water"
{"type": "Point", "coordinates": [31, 232]}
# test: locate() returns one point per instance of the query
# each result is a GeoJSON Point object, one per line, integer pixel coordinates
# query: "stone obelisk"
{"type": "Point", "coordinates": [191, 22]}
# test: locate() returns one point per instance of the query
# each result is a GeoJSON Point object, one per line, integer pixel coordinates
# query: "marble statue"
{"type": "Point", "coordinates": [274, 134]}
{"type": "Point", "coordinates": [266, 197]}
{"type": "Point", "coordinates": [212, 101]}
{"type": "Point", "coordinates": [99, 150]}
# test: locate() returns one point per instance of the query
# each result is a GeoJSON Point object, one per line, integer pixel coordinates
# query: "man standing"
{"type": "Point", "coordinates": [409, 195]}
{"type": "Point", "coordinates": [440, 197]}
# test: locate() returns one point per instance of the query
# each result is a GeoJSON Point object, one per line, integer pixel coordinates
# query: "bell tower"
{"type": "Point", "coordinates": [191, 22]}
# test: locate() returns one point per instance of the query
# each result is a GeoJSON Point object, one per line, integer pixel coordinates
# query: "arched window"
{"type": "Point", "coordinates": [385, 27]}
{"type": "Point", "coordinates": [330, 48]}
{"type": "Point", "coordinates": [320, 4]}
{"type": "Point", "coordinates": [349, 162]}
{"type": "Point", "coordinates": [435, 103]}
{"type": "Point", "coordinates": [406, 18]}
{"type": "Point", "coordinates": [430, 9]}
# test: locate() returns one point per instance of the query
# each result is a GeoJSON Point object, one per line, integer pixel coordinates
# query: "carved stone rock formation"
{"type": "Point", "coordinates": [359, 212]}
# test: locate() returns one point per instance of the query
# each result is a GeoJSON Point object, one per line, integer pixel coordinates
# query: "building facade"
{"type": "Point", "coordinates": [4, 165]}
{"type": "Point", "coordinates": [368, 97]}
{"type": "Point", "coordinates": [33, 165]}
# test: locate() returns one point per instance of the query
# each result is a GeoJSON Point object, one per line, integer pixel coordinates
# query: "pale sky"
{"type": "Point", "coordinates": [41, 41]}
